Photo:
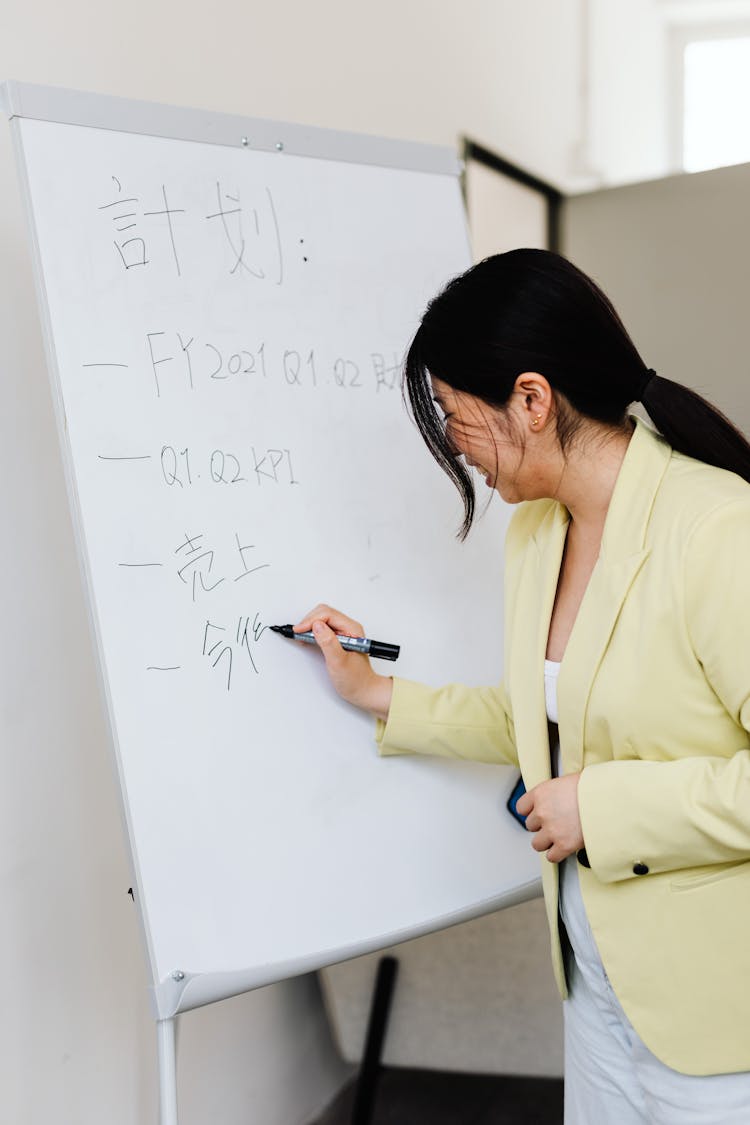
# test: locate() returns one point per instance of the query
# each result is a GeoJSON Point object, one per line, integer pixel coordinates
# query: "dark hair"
{"type": "Point", "coordinates": [532, 310]}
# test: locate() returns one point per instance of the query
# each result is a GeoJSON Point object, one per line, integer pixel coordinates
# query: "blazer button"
{"type": "Point", "coordinates": [640, 869]}
{"type": "Point", "coordinates": [583, 859]}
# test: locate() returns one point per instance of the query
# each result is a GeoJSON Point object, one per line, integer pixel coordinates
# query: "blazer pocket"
{"type": "Point", "coordinates": [707, 876]}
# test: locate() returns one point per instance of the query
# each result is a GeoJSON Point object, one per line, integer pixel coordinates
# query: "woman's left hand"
{"type": "Point", "coordinates": [551, 811]}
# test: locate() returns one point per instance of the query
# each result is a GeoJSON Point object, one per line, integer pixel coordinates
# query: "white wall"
{"type": "Point", "coordinates": [76, 1038]}
{"type": "Point", "coordinates": [506, 73]}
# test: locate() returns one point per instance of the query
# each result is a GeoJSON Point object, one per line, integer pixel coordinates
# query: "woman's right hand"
{"type": "Point", "coordinates": [351, 673]}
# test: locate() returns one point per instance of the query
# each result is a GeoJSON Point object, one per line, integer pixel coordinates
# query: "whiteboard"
{"type": "Point", "coordinates": [226, 303]}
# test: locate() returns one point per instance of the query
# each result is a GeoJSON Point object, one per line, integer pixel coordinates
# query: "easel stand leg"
{"type": "Point", "coordinates": [364, 1099]}
{"type": "Point", "coordinates": [165, 1032]}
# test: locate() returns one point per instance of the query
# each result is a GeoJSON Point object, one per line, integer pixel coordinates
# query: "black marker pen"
{"type": "Point", "coordinates": [351, 644]}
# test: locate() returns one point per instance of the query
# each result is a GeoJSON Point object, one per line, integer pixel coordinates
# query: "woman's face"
{"type": "Point", "coordinates": [492, 441]}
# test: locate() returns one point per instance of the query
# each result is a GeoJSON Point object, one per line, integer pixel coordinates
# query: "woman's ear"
{"type": "Point", "coordinates": [534, 398]}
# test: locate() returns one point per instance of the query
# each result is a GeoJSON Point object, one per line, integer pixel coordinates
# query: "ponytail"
{"type": "Point", "coordinates": [694, 427]}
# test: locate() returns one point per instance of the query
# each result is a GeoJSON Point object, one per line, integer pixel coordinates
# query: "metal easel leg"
{"type": "Point", "coordinates": [364, 1098]}
{"type": "Point", "coordinates": [165, 1033]}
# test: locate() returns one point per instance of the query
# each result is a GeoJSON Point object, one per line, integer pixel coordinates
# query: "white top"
{"type": "Point", "coordinates": [551, 672]}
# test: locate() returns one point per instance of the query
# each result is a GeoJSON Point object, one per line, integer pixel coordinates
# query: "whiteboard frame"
{"type": "Point", "coordinates": [182, 991]}
{"type": "Point", "coordinates": [103, 111]}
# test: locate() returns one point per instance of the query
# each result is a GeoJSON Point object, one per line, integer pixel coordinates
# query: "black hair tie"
{"type": "Point", "coordinates": [647, 377]}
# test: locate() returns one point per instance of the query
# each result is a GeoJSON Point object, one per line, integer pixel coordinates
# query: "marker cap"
{"type": "Point", "coordinates": [384, 651]}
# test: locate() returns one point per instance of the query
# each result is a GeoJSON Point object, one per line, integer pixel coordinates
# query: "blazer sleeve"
{"type": "Point", "coordinates": [473, 723]}
{"type": "Point", "coordinates": [694, 811]}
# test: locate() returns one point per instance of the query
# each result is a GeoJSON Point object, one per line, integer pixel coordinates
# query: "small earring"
{"type": "Point", "coordinates": [535, 421]}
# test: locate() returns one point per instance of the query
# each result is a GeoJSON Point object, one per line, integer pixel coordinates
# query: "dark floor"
{"type": "Point", "coordinates": [414, 1097]}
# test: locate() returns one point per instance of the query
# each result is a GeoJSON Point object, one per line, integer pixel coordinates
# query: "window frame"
{"type": "Point", "coordinates": [552, 196]}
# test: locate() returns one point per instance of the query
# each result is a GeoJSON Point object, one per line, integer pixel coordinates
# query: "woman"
{"type": "Point", "coordinates": [628, 618]}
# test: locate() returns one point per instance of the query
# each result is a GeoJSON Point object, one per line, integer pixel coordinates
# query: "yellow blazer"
{"type": "Point", "coordinates": [654, 709]}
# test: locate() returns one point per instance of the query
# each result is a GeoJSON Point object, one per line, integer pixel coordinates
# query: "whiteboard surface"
{"type": "Point", "coordinates": [225, 329]}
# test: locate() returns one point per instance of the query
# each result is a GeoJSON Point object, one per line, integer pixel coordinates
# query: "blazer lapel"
{"type": "Point", "coordinates": [623, 553]}
{"type": "Point", "coordinates": [608, 587]}
{"type": "Point", "coordinates": [535, 596]}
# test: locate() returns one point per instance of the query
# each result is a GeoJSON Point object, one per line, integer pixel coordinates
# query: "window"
{"type": "Point", "coordinates": [716, 101]}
